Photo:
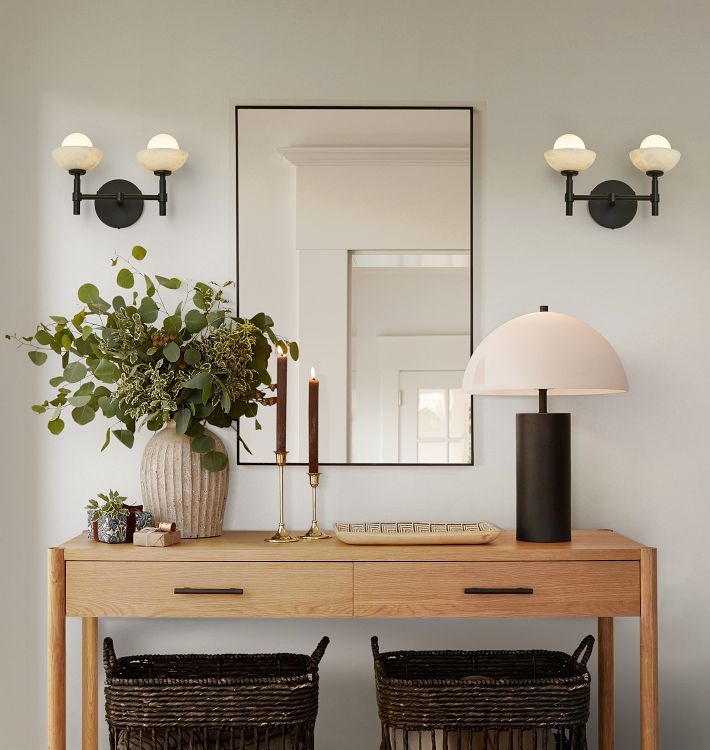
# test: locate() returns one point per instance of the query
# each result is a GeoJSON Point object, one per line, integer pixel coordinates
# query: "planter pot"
{"type": "Point", "coordinates": [136, 520]}
{"type": "Point", "coordinates": [108, 529]}
{"type": "Point", "coordinates": [177, 489]}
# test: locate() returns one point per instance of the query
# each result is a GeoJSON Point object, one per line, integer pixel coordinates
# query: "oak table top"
{"type": "Point", "coordinates": [249, 546]}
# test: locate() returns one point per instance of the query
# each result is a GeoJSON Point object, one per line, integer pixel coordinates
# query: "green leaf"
{"type": "Point", "coordinates": [60, 319]}
{"type": "Point", "coordinates": [168, 283]}
{"type": "Point", "coordinates": [148, 310]}
{"type": "Point", "coordinates": [125, 279]}
{"type": "Point", "coordinates": [67, 339]}
{"type": "Point", "coordinates": [226, 402]}
{"type": "Point", "coordinates": [80, 400]}
{"type": "Point", "coordinates": [195, 321]}
{"type": "Point", "coordinates": [74, 372]}
{"type": "Point", "coordinates": [39, 358]}
{"type": "Point", "coordinates": [199, 300]}
{"type": "Point", "coordinates": [203, 444]}
{"type": "Point", "coordinates": [109, 407]}
{"type": "Point", "coordinates": [55, 426]}
{"type": "Point", "coordinates": [199, 380]}
{"type": "Point", "coordinates": [172, 324]}
{"type": "Point", "coordinates": [43, 337]}
{"type": "Point", "coordinates": [106, 371]}
{"type": "Point", "coordinates": [78, 320]}
{"type": "Point", "coordinates": [206, 392]}
{"type": "Point", "coordinates": [88, 294]}
{"type": "Point", "coordinates": [195, 429]}
{"type": "Point", "coordinates": [171, 351]}
{"type": "Point", "coordinates": [118, 302]}
{"type": "Point", "coordinates": [125, 436]}
{"type": "Point", "coordinates": [139, 252]}
{"type": "Point", "coordinates": [257, 424]}
{"type": "Point", "coordinates": [215, 461]}
{"type": "Point", "coordinates": [259, 320]}
{"type": "Point", "coordinates": [216, 319]}
{"type": "Point", "coordinates": [293, 350]}
{"type": "Point", "coordinates": [182, 420]}
{"type": "Point", "coordinates": [54, 382]}
{"type": "Point", "coordinates": [83, 414]}
{"type": "Point", "coordinates": [191, 356]}
{"type": "Point", "coordinates": [39, 408]}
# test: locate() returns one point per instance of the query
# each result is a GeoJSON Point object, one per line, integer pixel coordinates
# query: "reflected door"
{"type": "Point", "coordinates": [434, 418]}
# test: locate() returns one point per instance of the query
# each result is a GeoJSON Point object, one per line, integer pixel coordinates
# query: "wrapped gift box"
{"type": "Point", "coordinates": [152, 537]}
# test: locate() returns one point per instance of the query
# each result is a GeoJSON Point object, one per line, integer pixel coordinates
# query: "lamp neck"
{"type": "Point", "coordinates": [542, 400]}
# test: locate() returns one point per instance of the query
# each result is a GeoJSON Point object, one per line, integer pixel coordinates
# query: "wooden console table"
{"type": "Point", "coordinates": [598, 574]}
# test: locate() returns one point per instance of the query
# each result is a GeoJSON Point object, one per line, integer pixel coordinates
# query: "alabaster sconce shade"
{"type": "Point", "coordinates": [77, 152]}
{"type": "Point", "coordinates": [569, 154]}
{"type": "Point", "coordinates": [654, 155]}
{"type": "Point", "coordinates": [162, 154]}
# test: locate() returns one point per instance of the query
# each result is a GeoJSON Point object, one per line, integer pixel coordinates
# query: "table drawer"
{"type": "Point", "coordinates": [497, 589]}
{"type": "Point", "coordinates": [205, 589]}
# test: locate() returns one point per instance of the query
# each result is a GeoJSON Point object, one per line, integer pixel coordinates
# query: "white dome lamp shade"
{"type": "Point", "coordinates": [77, 153]}
{"type": "Point", "coordinates": [162, 154]}
{"type": "Point", "coordinates": [544, 353]}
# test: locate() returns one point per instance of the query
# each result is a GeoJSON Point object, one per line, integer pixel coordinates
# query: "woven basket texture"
{"type": "Point", "coordinates": [212, 702]}
{"type": "Point", "coordinates": [505, 700]}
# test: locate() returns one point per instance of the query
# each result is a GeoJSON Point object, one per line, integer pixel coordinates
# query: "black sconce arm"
{"type": "Point", "coordinates": [608, 193]}
{"type": "Point", "coordinates": [119, 192]}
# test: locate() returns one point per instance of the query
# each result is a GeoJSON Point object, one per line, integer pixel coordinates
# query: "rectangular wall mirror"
{"type": "Point", "coordinates": [354, 231]}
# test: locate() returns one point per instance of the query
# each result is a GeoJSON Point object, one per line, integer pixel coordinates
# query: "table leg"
{"type": "Point", "coordinates": [56, 652]}
{"type": "Point", "coordinates": [605, 662]}
{"type": "Point", "coordinates": [90, 682]}
{"type": "Point", "coordinates": [649, 651]}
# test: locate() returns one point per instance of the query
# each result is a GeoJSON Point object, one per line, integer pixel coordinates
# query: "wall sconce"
{"type": "Point", "coordinates": [119, 203]}
{"type": "Point", "coordinates": [612, 203]}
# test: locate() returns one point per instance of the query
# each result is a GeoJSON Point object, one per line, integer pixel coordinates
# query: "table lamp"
{"type": "Point", "coordinates": [544, 354]}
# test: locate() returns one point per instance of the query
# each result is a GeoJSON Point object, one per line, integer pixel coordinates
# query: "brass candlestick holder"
{"type": "Point", "coordinates": [314, 533]}
{"type": "Point", "coordinates": [281, 534]}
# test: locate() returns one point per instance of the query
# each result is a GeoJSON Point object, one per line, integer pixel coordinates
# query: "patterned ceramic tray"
{"type": "Point", "coordinates": [413, 532]}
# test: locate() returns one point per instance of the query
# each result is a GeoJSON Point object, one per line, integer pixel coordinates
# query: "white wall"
{"type": "Point", "coordinates": [613, 73]}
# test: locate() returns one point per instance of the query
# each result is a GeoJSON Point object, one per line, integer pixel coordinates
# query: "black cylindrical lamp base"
{"type": "Point", "coordinates": [544, 512]}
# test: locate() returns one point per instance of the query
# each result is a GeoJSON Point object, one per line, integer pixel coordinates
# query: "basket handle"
{"type": "Point", "coordinates": [110, 659]}
{"type": "Point", "coordinates": [317, 655]}
{"type": "Point", "coordinates": [585, 646]}
{"type": "Point", "coordinates": [375, 643]}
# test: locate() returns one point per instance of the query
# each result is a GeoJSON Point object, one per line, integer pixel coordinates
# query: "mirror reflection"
{"type": "Point", "coordinates": [354, 228]}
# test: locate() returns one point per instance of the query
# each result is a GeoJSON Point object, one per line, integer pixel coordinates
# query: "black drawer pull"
{"type": "Point", "coordinates": [209, 591]}
{"type": "Point", "coordinates": [476, 590]}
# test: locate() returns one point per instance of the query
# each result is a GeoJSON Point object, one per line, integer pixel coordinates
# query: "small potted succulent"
{"type": "Point", "coordinates": [108, 518]}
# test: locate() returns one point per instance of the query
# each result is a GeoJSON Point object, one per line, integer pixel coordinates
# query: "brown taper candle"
{"type": "Point", "coordinates": [313, 386]}
{"type": "Point", "coordinates": [281, 390]}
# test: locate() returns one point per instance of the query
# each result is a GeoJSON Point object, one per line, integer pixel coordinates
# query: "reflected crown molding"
{"type": "Point", "coordinates": [340, 156]}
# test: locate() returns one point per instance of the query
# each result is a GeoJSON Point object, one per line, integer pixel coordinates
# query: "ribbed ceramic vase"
{"type": "Point", "coordinates": [176, 488]}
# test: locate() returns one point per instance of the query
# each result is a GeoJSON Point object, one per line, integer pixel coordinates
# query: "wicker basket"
{"type": "Point", "coordinates": [484, 699]}
{"type": "Point", "coordinates": [212, 702]}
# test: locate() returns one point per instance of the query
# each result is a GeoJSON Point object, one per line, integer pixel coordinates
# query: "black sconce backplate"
{"type": "Point", "coordinates": [613, 213]}
{"type": "Point", "coordinates": [119, 213]}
